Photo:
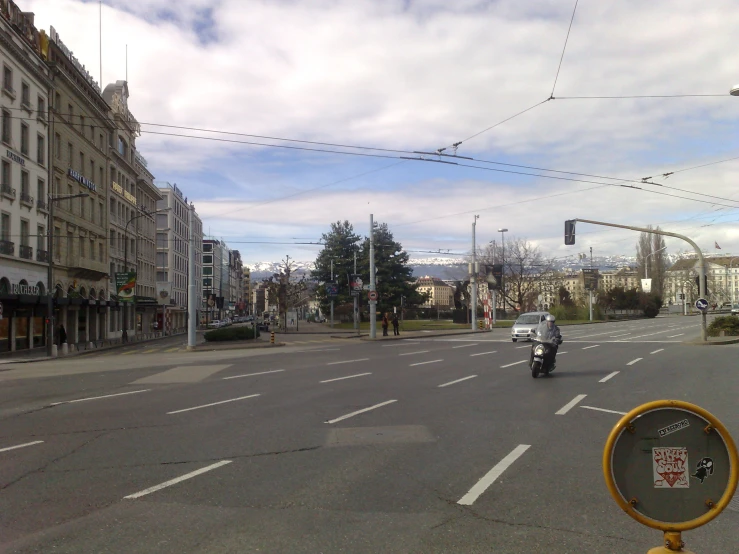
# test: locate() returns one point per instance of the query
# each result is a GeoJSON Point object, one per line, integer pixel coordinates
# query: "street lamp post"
{"type": "Point", "coordinates": [50, 269]}
{"type": "Point", "coordinates": [473, 278]}
{"type": "Point", "coordinates": [502, 275]}
{"type": "Point", "coordinates": [646, 265]}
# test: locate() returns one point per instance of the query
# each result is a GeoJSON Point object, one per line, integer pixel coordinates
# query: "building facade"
{"type": "Point", "coordinates": [722, 280]}
{"type": "Point", "coordinates": [173, 236]}
{"type": "Point", "coordinates": [235, 278]}
{"type": "Point", "coordinates": [24, 216]}
{"type": "Point", "coordinates": [213, 290]}
{"type": "Point", "coordinates": [246, 289]}
{"type": "Point", "coordinates": [82, 133]}
{"type": "Point", "coordinates": [441, 295]}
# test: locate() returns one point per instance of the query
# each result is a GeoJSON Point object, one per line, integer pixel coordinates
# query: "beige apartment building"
{"type": "Point", "coordinates": [23, 189]}
{"type": "Point", "coordinates": [81, 135]}
{"type": "Point", "coordinates": [441, 295]}
{"type": "Point", "coordinates": [722, 279]}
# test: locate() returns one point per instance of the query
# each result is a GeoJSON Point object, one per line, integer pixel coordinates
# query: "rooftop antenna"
{"type": "Point", "coordinates": [126, 63]}
{"type": "Point", "coordinates": [100, 41]}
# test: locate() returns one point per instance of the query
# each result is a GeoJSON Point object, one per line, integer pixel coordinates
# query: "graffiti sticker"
{"type": "Point", "coordinates": [703, 469]}
{"type": "Point", "coordinates": [674, 427]}
{"type": "Point", "coordinates": [670, 466]}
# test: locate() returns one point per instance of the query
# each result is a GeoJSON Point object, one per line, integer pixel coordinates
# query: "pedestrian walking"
{"type": "Point", "coordinates": [396, 325]}
{"type": "Point", "coordinates": [384, 325]}
{"type": "Point", "coordinates": [62, 335]}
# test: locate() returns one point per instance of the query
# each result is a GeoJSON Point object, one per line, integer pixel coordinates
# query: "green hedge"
{"type": "Point", "coordinates": [727, 323]}
{"type": "Point", "coordinates": [230, 333]}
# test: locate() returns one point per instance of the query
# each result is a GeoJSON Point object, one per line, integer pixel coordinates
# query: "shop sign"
{"type": "Point", "coordinates": [127, 195]}
{"type": "Point", "coordinates": [54, 36]}
{"type": "Point", "coordinates": [81, 179]}
{"type": "Point", "coordinates": [15, 157]}
{"type": "Point", "coordinates": [33, 290]}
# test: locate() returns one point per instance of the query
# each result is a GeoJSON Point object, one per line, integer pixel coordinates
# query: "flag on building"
{"type": "Point", "coordinates": [717, 246]}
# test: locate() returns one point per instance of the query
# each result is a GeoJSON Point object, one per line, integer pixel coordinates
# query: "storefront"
{"type": "Point", "coordinates": [22, 326]}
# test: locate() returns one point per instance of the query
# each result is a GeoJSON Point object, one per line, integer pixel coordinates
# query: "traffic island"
{"type": "Point", "coordinates": [234, 345]}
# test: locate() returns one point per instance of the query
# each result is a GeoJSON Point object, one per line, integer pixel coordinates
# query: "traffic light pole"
{"type": "Point", "coordinates": [570, 239]}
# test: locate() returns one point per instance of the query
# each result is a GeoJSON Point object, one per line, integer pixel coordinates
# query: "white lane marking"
{"type": "Point", "coordinates": [465, 345]}
{"type": "Point", "coordinates": [603, 410]}
{"type": "Point", "coordinates": [348, 361]}
{"type": "Point", "coordinates": [632, 362]}
{"type": "Point", "coordinates": [253, 374]}
{"type": "Point", "coordinates": [571, 404]}
{"type": "Point", "coordinates": [317, 350]}
{"type": "Point", "coordinates": [403, 343]}
{"type": "Point", "coordinates": [560, 353]}
{"type": "Point", "coordinates": [609, 376]}
{"type": "Point", "coordinates": [524, 346]}
{"type": "Point", "coordinates": [19, 446]}
{"type": "Point", "coordinates": [412, 353]}
{"type": "Point", "coordinates": [98, 397]}
{"type": "Point", "coordinates": [423, 363]}
{"type": "Point", "coordinates": [213, 404]}
{"type": "Point", "coordinates": [177, 480]}
{"type": "Point", "coordinates": [348, 377]}
{"type": "Point", "coordinates": [514, 363]}
{"type": "Point", "coordinates": [489, 478]}
{"type": "Point", "coordinates": [361, 411]}
{"type": "Point", "coordinates": [616, 336]}
{"type": "Point", "coordinates": [457, 381]}
{"type": "Point", "coordinates": [660, 350]}
{"type": "Point", "coordinates": [594, 346]}
{"type": "Point", "coordinates": [673, 336]}
{"type": "Point", "coordinates": [483, 353]}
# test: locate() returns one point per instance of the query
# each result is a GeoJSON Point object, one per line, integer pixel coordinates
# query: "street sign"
{"type": "Point", "coordinates": [671, 465]}
{"type": "Point", "coordinates": [701, 304]}
{"type": "Point", "coordinates": [332, 289]}
{"type": "Point", "coordinates": [590, 279]}
{"type": "Point", "coordinates": [372, 295]}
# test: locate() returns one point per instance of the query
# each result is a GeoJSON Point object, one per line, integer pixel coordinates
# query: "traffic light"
{"type": "Point", "coordinates": [705, 282]}
{"type": "Point", "coordinates": [494, 276]}
{"type": "Point", "coordinates": [570, 232]}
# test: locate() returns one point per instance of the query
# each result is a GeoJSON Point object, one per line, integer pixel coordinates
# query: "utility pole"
{"type": "Point", "coordinates": [473, 277]}
{"type": "Point", "coordinates": [495, 292]}
{"type": "Point", "coordinates": [373, 303]}
{"type": "Point", "coordinates": [332, 298]}
{"type": "Point", "coordinates": [591, 285]}
{"type": "Point", "coordinates": [191, 299]}
{"type": "Point", "coordinates": [356, 296]}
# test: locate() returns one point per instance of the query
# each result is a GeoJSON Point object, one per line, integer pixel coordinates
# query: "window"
{"type": "Point", "coordinates": [40, 149]}
{"type": "Point", "coordinates": [122, 147]}
{"type": "Point", "coordinates": [24, 139]}
{"type": "Point", "coordinates": [82, 162]}
{"type": "Point", "coordinates": [24, 184]}
{"type": "Point", "coordinates": [82, 247]}
{"type": "Point", "coordinates": [82, 207]}
{"type": "Point", "coordinates": [7, 127]}
{"type": "Point", "coordinates": [5, 227]}
{"type": "Point", "coordinates": [57, 145]}
{"type": "Point", "coordinates": [100, 251]}
{"type": "Point", "coordinates": [92, 209]}
{"type": "Point", "coordinates": [100, 176]}
{"type": "Point", "coordinates": [69, 153]}
{"type": "Point", "coordinates": [58, 101]}
{"type": "Point", "coordinates": [25, 232]}
{"type": "Point", "coordinates": [40, 242]}
{"type": "Point", "coordinates": [92, 249]}
{"type": "Point", "coordinates": [207, 271]}
{"type": "Point", "coordinates": [207, 258]}
{"type": "Point", "coordinates": [41, 105]}
{"type": "Point", "coordinates": [207, 248]}
{"type": "Point", "coordinates": [207, 283]}
{"type": "Point", "coordinates": [57, 242]}
{"type": "Point", "coordinates": [112, 237]}
{"type": "Point", "coordinates": [8, 79]}
{"type": "Point", "coordinates": [6, 174]}
{"type": "Point", "coordinates": [92, 169]}
{"type": "Point", "coordinates": [82, 124]}
{"type": "Point", "coordinates": [25, 95]}
{"type": "Point", "coordinates": [70, 112]}
{"type": "Point", "coordinates": [92, 133]}
{"type": "Point", "coordinates": [41, 191]}
{"type": "Point", "coordinates": [101, 141]}
{"type": "Point", "coordinates": [57, 186]}
{"type": "Point", "coordinates": [100, 214]}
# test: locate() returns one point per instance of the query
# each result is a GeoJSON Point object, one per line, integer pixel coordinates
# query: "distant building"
{"type": "Point", "coordinates": [722, 277]}
{"type": "Point", "coordinates": [441, 295]}
{"type": "Point", "coordinates": [246, 289]}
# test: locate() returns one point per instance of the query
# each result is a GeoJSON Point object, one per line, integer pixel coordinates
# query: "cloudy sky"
{"type": "Point", "coordinates": [406, 75]}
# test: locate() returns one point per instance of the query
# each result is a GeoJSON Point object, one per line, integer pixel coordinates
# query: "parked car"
{"type": "Point", "coordinates": [735, 309]}
{"type": "Point", "coordinates": [525, 326]}
{"type": "Point", "coordinates": [215, 324]}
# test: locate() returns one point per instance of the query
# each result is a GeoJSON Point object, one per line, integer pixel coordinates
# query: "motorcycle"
{"type": "Point", "coordinates": [542, 359]}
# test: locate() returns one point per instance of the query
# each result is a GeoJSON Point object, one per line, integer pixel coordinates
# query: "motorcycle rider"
{"type": "Point", "coordinates": [548, 332]}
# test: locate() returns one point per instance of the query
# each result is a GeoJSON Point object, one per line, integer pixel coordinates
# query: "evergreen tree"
{"type": "Point", "coordinates": [340, 243]}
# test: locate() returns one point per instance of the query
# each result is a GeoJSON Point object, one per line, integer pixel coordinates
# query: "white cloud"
{"type": "Point", "coordinates": [423, 75]}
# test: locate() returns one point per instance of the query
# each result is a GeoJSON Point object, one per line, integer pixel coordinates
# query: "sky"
{"type": "Point", "coordinates": [396, 77]}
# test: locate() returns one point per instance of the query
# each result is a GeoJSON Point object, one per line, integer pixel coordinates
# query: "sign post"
{"type": "Point", "coordinates": [672, 466]}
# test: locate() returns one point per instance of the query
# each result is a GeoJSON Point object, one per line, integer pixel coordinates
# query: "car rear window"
{"type": "Point", "coordinates": [528, 319]}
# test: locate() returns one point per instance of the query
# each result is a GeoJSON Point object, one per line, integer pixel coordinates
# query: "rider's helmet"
{"type": "Point", "coordinates": [550, 317]}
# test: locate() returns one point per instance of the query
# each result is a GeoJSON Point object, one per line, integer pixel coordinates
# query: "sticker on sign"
{"type": "Point", "coordinates": [670, 466]}
{"type": "Point", "coordinates": [674, 427]}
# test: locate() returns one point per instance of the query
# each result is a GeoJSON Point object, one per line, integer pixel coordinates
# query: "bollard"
{"type": "Point", "coordinates": [90, 345]}
{"type": "Point", "coordinates": [54, 351]}
{"type": "Point", "coordinates": [272, 337]}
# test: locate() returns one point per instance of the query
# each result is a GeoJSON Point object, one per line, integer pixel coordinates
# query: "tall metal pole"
{"type": "Point", "coordinates": [356, 296]}
{"type": "Point", "coordinates": [191, 299]}
{"type": "Point", "coordinates": [332, 298]}
{"type": "Point", "coordinates": [373, 303]}
{"type": "Point", "coordinates": [125, 269]}
{"type": "Point", "coordinates": [591, 285]}
{"type": "Point", "coordinates": [50, 277]}
{"type": "Point", "coordinates": [473, 277]}
{"type": "Point", "coordinates": [495, 292]}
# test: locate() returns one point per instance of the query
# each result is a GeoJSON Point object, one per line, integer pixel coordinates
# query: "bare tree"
{"type": "Point", "coordinates": [651, 259]}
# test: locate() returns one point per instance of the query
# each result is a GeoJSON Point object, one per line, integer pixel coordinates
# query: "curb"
{"type": "Point", "coordinates": [238, 346]}
{"type": "Point", "coordinates": [432, 334]}
{"type": "Point", "coordinates": [699, 342]}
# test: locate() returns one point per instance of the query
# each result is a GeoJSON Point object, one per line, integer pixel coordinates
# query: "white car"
{"type": "Point", "coordinates": [525, 326]}
{"type": "Point", "coordinates": [735, 310]}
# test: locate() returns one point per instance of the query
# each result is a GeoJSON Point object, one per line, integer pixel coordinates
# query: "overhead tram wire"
{"type": "Point", "coordinates": [564, 48]}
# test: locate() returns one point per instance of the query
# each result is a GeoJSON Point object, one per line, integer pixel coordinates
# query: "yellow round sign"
{"type": "Point", "coordinates": [671, 465]}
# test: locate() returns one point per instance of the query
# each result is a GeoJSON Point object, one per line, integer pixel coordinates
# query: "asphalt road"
{"type": "Point", "coordinates": [348, 446]}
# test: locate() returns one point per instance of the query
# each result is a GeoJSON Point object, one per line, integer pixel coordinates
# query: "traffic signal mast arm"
{"type": "Point", "coordinates": [570, 239]}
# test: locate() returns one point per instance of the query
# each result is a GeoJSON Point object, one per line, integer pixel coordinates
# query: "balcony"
{"type": "Point", "coordinates": [7, 191]}
{"type": "Point", "coordinates": [9, 91]}
{"type": "Point", "coordinates": [7, 248]}
{"type": "Point", "coordinates": [42, 256]}
{"type": "Point", "coordinates": [26, 252]}
{"type": "Point", "coordinates": [41, 205]}
{"type": "Point", "coordinates": [26, 105]}
{"type": "Point", "coordinates": [85, 268]}
{"type": "Point", "coordinates": [27, 199]}
{"type": "Point", "coordinates": [41, 116]}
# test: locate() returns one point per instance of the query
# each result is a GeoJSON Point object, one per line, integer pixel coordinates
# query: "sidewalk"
{"type": "Point", "coordinates": [305, 328]}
